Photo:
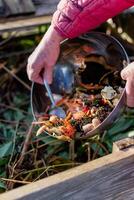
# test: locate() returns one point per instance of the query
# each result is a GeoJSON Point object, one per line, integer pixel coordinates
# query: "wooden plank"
{"type": "Point", "coordinates": [44, 7]}
{"type": "Point", "coordinates": [16, 7]}
{"type": "Point", "coordinates": [27, 6]}
{"type": "Point", "coordinates": [122, 144]}
{"type": "Point", "coordinates": [107, 178]}
{"type": "Point", "coordinates": [24, 23]}
{"type": "Point", "coordinates": [2, 9]}
{"type": "Point", "coordinates": [41, 2]}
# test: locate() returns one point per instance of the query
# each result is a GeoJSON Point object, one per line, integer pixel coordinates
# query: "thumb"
{"type": "Point", "coordinates": [125, 73]}
{"type": "Point", "coordinates": [128, 74]}
{"type": "Point", "coordinates": [130, 92]}
{"type": "Point", "coordinates": [48, 73]}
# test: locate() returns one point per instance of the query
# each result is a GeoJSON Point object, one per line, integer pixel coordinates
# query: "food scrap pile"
{"type": "Point", "coordinates": [86, 108]}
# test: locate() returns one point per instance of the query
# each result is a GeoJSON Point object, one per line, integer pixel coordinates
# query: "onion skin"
{"type": "Point", "coordinates": [88, 127]}
{"type": "Point", "coordinates": [96, 122]}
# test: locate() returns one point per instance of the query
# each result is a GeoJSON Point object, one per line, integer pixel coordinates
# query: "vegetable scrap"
{"type": "Point", "coordinates": [86, 108]}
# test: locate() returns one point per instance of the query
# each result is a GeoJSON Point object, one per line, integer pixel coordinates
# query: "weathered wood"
{"type": "Point", "coordinates": [24, 23]}
{"type": "Point", "coordinates": [43, 15]}
{"type": "Point", "coordinates": [2, 9]}
{"type": "Point", "coordinates": [46, 7]}
{"type": "Point", "coordinates": [123, 144]}
{"type": "Point", "coordinates": [22, 7]}
{"type": "Point", "coordinates": [107, 178]}
{"type": "Point", "coordinates": [16, 7]}
{"type": "Point", "coordinates": [40, 2]}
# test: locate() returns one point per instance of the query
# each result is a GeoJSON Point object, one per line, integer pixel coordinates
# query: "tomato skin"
{"type": "Point", "coordinates": [103, 101]}
{"type": "Point", "coordinates": [69, 130]}
{"type": "Point", "coordinates": [86, 110]}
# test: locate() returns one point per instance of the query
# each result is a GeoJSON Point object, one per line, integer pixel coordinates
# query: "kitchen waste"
{"type": "Point", "coordinates": [86, 108]}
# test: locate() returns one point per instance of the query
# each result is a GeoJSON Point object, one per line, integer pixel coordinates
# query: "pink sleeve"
{"type": "Point", "coordinates": [74, 17]}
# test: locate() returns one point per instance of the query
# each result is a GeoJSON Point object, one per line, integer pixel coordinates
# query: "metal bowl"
{"type": "Point", "coordinates": [103, 52]}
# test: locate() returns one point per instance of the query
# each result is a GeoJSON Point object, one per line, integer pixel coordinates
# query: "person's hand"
{"type": "Point", "coordinates": [42, 60]}
{"type": "Point", "coordinates": [128, 75]}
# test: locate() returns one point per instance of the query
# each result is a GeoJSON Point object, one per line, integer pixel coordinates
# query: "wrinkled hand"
{"type": "Point", "coordinates": [42, 60]}
{"type": "Point", "coordinates": [128, 75]}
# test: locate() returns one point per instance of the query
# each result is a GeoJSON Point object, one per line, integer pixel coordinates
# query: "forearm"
{"type": "Point", "coordinates": [73, 18]}
{"type": "Point", "coordinates": [52, 36]}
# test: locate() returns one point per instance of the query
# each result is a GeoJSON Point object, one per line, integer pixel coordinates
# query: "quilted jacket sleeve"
{"type": "Point", "coordinates": [74, 17]}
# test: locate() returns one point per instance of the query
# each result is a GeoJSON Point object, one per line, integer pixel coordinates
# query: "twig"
{"type": "Point", "coordinates": [51, 166]}
{"type": "Point", "coordinates": [40, 175]}
{"type": "Point", "coordinates": [15, 70]}
{"type": "Point", "coordinates": [40, 146]}
{"type": "Point", "coordinates": [26, 145]}
{"type": "Point", "coordinates": [12, 122]}
{"type": "Point", "coordinates": [14, 140]}
{"type": "Point", "coordinates": [13, 108]}
{"type": "Point", "coordinates": [15, 76]}
{"type": "Point", "coordinates": [103, 147]}
{"type": "Point", "coordinates": [12, 35]}
{"type": "Point", "coordinates": [72, 150]}
{"type": "Point", "coordinates": [87, 145]}
{"type": "Point", "coordinates": [28, 176]}
{"type": "Point", "coordinates": [40, 139]}
{"type": "Point", "coordinates": [15, 181]}
{"type": "Point", "coordinates": [100, 145]}
{"type": "Point", "coordinates": [35, 156]}
{"type": "Point", "coordinates": [16, 53]}
{"type": "Point", "coordinates": [43, 161]}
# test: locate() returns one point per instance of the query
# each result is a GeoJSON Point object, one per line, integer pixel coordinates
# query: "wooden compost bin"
{"type": "Point", "coordinates": [108, 178]}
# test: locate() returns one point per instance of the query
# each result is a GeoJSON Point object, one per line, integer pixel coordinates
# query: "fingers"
{"type": "Point", "coordinates": [34, 73]}
{"type": "Point", "coordinates": [128, 72]}
{"type": "Point", "coordinates": [128, 75]}
{"type": "Point", "coordinates": [35, 66]}
{"type": "Point", "coordinates": [48, 73]}
{"type": "Point", "coordinates": [130, 92]}
{"type": "Point", "coordinates": [44, 58]}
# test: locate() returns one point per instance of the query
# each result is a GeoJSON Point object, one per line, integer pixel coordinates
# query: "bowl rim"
{"type": "Point", "coordinates": [94, 131]}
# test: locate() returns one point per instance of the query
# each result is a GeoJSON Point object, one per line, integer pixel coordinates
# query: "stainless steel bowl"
{"type": "Point", "coordinates": [102, 51]}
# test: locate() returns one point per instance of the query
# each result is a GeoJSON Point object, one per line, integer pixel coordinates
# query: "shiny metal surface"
{"type": "Point", "coordinates": [58, 111]}
{"type": "Point", "coordinates": [101, 51]}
